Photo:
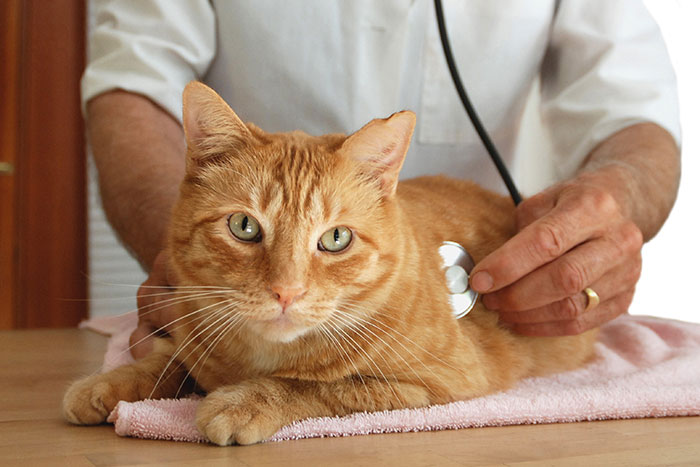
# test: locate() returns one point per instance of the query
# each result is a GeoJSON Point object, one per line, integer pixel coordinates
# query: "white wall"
{"type": "Point", "coordinates": [114, 275]}
{"type": "Point", "coordinates": [669, 285]}
{"type": "Point", "coordinates": [669, 281]}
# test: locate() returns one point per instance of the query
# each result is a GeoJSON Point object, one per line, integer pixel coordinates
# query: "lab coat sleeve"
{"type": "Point", "coordinates": [149, 47]}
{"type": "Point", "coordinates": [606, 68]}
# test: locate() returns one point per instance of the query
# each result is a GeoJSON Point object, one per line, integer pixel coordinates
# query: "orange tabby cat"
{"type": "Point", "coordinates": [316, 284]}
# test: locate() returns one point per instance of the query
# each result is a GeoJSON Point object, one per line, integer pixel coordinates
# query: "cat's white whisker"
{"type": "Point", "coordinates": [368, 359]}
{"type": "Point", "coordinates": [172, 370]}
{"type": "Point", "coordinates": [192, 295]}
{"type": "Point", "coordinates": [131, 296]}
{"type": "Point", "coordinates": [342, 348]}
{"type": "Point", "coordinates": [401, 357]}
{"type": "Point", "coordinates": [371, 360]}
{"type": "Point", "coordinates": [169, 324]}
{"type": "Point", "coordinates": [174, 287]}
{"type": "Point", "coordinates": [166, 304]}
{"type": "Point", "coordinates": [222, 318]}
{"type": "Point", "coordinates": [409, 351]}
{"type": "Point", "coordinates": [215, 315]}
{"type": "Point", "coordinates": [362, 331]}
{"type": "Point", "coordinates": [187, 340]}
{"type": "Point", "coordinates": [217, 332]}
{"type": "Point", "coordinates": [157, 331]}
{"type": "Point", "coordinates": [345, 338]}
{"type": "Point", "coordinates": [373, 312]}
{"type": "Point", "coordinates": [233, 321]}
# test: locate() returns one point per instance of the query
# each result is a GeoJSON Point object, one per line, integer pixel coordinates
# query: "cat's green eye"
{"type": "Point", "coordinates": [335, 239]}
{"type": "Point", "coordinates": [244, 227]}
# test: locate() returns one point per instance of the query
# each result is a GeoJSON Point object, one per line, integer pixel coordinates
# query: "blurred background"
{"type": "Point", "coordinates": [43, 254]}
{"type": "Point", "coordinates": [57, 250]}
{"type": "Point", "coordinates": [668, 284]}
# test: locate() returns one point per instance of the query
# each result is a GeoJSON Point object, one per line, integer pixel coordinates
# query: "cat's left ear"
{"type": "Point", "coordinates": [211, 127]}
{"type": "Point", "coordinates": [382, 145]}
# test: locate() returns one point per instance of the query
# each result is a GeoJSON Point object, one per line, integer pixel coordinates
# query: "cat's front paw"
{"type": "Point", "coordinates": [241, 414]}
{"type": "Point", "coordinates": [89, 401]}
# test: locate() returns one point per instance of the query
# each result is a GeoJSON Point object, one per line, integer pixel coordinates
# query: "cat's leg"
{"type": "Point", "coordinates": [90, 400]}
{"type": "Point", "coordinates": [254, 410]}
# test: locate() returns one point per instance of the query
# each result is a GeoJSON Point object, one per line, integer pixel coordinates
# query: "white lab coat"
{"type": "Point", "coordinates": [332, 65]}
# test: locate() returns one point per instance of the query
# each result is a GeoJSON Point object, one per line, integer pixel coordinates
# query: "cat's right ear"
{"type": "Point", "coordinates": [381, 147]}
{"type": "Point", "coordinates": [211, 127]}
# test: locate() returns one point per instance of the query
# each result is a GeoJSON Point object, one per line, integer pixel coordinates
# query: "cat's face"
{"type": "Point", "coordinates": [298, 227]}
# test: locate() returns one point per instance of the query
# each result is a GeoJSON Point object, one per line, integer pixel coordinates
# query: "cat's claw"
{"type": "Point", "coordinates": [224, 430]}
{"type": "Point", "coordinates": [238, 416]}
{"type": "Point", "coordinates": [89, 401]}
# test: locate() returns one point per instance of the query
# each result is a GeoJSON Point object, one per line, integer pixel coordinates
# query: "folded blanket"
{"type": "Point", "coordinates": [644, 367]}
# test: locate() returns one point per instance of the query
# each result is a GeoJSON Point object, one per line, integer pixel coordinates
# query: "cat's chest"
{"type": "Point", "coordinates": [226, 362]}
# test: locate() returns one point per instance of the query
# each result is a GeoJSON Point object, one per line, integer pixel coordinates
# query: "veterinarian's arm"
{"type": "Point", "coordinates": [584, 232]}
{"type": "Point", "coordinates": [139, 151]}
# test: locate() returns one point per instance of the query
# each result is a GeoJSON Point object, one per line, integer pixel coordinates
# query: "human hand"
{"type": "Point", "coordinates": [155, 314]}
{"type": "Point", "coordinates": [574, 235]}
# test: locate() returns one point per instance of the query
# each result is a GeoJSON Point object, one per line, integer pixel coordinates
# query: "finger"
{"type": "Point", "coordinates": [576, 217]}
{"type": "Point", "coordinates": [571, 273]}
{"type": "Point", "coordinates": [598, 316]}
{"type": "Point", "coordinates": [615, 282]}
{"type": "Point", "coordinates": [537, 244]}
{"type": "Point", "coordinates": [141, 341]}
{"type": "Point", "coordinates": [533, 208]}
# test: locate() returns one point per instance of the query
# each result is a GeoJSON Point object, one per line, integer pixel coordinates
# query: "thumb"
{"type": "Point", "coordinates": [141, 341]}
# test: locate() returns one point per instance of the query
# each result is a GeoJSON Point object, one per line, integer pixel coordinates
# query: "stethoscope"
{"type": "Point", "coordinates": [457, 263]}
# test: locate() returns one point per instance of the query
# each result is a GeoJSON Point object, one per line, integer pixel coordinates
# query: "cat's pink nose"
{"type": "Point", "coordinates": [287, 294]}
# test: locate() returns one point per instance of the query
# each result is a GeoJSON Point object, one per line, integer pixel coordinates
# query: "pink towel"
{"type": "Point", "coordinates": [644, 367]}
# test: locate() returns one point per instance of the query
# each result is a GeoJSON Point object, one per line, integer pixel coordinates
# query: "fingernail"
{"type": "Point", "coordinates": [482, 281]}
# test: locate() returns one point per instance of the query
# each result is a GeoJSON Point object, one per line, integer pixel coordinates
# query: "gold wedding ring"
{"type": "Point", "coordinates": [593, 299]}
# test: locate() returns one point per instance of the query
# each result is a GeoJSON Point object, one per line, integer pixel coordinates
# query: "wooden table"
{"type": "Point", "coordinates": [36, 366]}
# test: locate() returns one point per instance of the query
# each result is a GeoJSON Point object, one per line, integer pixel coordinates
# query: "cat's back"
{"type": "Point", "coordinates": [444, 208]}
{"type": "Point", "coordinates": [439, 208]}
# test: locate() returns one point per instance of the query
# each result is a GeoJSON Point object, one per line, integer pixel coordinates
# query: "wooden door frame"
{"type": "Point", "coordinates": [10, 40]}
{"type": "Point", "coordinates": [45, 256]}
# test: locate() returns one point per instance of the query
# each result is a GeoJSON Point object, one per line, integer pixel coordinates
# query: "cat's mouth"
{"type": "Point", "coordinates": [282, 327]}
{"type": "Point", "coordinates": [282, 321]}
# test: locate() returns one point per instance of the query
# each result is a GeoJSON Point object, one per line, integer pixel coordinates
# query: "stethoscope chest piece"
{"type": "Point", "coordinates": [457, 265]}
